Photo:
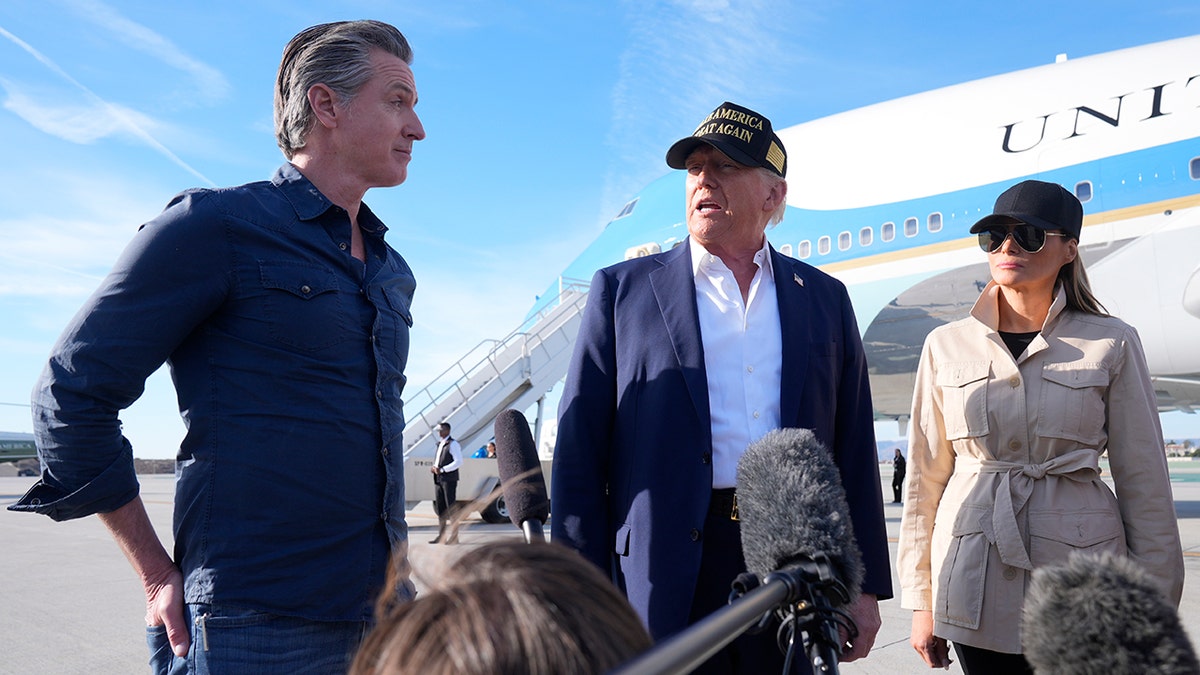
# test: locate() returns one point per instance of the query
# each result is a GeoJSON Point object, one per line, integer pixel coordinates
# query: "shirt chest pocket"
{"type": "Point", "coordinates": [1073, 401]}
{"type": "Point", "coordinates": [303, 306]}
{"type": "Point", "coordinates": [963, 386]}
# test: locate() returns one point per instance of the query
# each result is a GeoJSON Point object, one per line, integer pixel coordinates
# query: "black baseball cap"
{"type": "Point", "coordinates": [1046, 206]}
{"type": "Point", "coordinates": [743, 135]}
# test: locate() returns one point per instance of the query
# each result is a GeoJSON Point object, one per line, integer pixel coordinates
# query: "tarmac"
{"type": "Point", "coordinates": [69, 602]}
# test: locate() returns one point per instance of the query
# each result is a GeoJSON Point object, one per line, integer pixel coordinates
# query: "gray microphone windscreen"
{"type": "Point", "coordinates": [1102, 614]}
{"type": "Point", "coordinates": [520, 469]}
{"type": "Point", "coordinates": [792, 507]}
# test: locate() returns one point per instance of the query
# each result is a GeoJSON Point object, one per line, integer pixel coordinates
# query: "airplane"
{"type": "Point", "coordinates": [882, 197]}
{"type": "Point", "coordinates": [16, 446]}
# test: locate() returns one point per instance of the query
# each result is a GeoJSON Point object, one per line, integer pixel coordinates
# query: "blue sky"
{"type": "Point", "coordinates": [543, 118]}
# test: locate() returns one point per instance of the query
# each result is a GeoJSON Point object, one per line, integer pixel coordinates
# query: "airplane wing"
{"type": "Point", "coordinates": [1177, 393]}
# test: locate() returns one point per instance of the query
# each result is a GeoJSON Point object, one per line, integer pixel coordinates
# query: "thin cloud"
{"type": "Point", "coordinates": [684, 57]}
{"type": "Point", "coordinates": [119, 116]}
{"type": "Point", "coordinates": [209, 82]}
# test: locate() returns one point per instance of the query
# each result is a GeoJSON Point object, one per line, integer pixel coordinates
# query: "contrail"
{"type": "Point", "coordinates": [112, 110]}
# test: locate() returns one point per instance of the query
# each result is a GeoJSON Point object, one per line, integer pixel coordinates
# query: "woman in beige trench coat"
{"type": "Point", "coordinates": [1013, 408]}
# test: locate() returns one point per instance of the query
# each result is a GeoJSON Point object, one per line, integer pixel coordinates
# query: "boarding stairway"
{"type": "Point", "coordinates": [514, 372]}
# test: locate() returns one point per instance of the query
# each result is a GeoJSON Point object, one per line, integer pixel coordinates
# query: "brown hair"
{"type": "Point", "coordinates": [1074, 280]}
{"type": "Point", "coordinates": [508, 607]}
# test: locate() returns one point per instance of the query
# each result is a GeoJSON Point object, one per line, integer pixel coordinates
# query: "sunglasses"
{"type": "Point", "coordinates": [1031, 239]}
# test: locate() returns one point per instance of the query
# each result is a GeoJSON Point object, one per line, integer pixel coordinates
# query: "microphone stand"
{"type": "Point", "coordinates": [800, 589]}
{"type": "Point", "coordinates": [533, 531]}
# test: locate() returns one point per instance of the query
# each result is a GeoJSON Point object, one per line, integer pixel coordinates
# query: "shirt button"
{"type": "Point", "coordinates": [378, 393]}
{"type": "Point", "coordinates": [386, 451]}
{"type": "Point", "coordinates": [1014, 444]}
{"type": "Point", "coordinates": [343, 245]}
{"type": "Point", "coordinates": [755, 414]}
{"type": "Point", "coordinates": [372, 338]}
{"type": "Point", "coordinates": [1010, 573]}
{"type": "Point", "coordinates": [1014, 381]}
{"type": "Point", "coordinates": [306, 289]}
{"type": "Point", "coordinates": [749, 369]}
{"type": "Point", "coordinates": [695, 534]}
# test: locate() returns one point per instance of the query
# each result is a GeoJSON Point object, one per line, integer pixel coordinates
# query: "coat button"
{"type": "Point", "coordinates": [695, 534]}
{"type": "Point", "coordinates": [1014, 444]}
{"type": "Point", "coordinates": [1010, 573]}
{"type": "Point", "coordinates": [1014, 381]}
{"type": "Point", "coordinates": [706, 458]}
{"type": "Point", "coordinates": [305, 289]}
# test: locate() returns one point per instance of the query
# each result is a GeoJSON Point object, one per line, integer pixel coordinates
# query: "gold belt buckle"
{"type": "Point", "coordinates": [733, 513]}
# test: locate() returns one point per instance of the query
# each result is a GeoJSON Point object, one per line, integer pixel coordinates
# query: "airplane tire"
{"type": "Point", "coordinates": [496, 512]}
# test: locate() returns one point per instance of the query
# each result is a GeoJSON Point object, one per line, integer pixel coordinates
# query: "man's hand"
{"type": "Point", "coordinates": [933, 649]}
{"type": "Point", "coordinates": [865, 612]}
{"type": "Point", "coordinates": [162, 580]}
{"type": "Point", "coordinates": [164, 607]}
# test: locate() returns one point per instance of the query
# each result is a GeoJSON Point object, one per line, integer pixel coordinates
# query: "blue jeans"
{"type": "Point", "coordinates": [230, 640]}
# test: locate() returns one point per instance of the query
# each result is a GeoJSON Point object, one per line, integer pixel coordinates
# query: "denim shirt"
{"type": "Point", "coordinates": [287, 355]}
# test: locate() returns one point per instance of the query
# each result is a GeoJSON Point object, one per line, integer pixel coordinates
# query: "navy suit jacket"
{"type": "Point", "coordinates": [632, 473]}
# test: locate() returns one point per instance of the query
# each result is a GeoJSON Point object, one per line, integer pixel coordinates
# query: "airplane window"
{"type": "Point", "coordinates": [786, 249]}
{"type": "Point", "coordinates": [804, 250]}
{"type": "Point", "coordinates": [1083, 190]}
{"type": "Point", "coordinates": [935, 222]}
{"type": "Point", "coordinates": [823, 245]}
{"type": "Point", "coordinates": [843, 241]}
{"type": "Point", "coordinates": [887, 232]}
{"type": "Point", "coordinates": [1194, 168]}
{"type": "Point", "coordinates": [910, 227]}
{"type": "Point", "coordinates": [865, 236]}
{"type": "Point", "coordinates": [628, 209]}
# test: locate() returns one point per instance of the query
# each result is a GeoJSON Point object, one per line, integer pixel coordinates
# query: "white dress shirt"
{"type": "Point", "coordinates": [743, 356]}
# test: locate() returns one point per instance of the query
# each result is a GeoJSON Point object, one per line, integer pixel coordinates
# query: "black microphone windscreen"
{"type": "Point", "coordinates": [520, 469]}
{"type": "Point", "coordinates": [1102, 614]}
{"type": "Point", "coordinates": [792, 507]}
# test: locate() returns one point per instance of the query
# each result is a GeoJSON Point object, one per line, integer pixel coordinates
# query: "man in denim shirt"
{"type": "Point", "coordinates": [284, 317]}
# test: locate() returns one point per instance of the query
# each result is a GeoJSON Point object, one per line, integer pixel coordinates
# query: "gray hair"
{"type": "Point", "coordinates": [772, 178]}
{"type": "Point", "coordinates": [337, 55]}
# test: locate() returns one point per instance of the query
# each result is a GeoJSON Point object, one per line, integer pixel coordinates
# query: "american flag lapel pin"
{"type": "Point", "coordinates": [798, 280]}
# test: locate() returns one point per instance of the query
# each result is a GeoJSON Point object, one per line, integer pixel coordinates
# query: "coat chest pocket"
{"type": "Point", "coordinates": [963, 386]}
{"type": "Point", "coordinates": [1073, 401]}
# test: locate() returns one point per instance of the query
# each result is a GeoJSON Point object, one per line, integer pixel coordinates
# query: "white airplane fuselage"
{"type": "Point", "coordinates": [882, 197]}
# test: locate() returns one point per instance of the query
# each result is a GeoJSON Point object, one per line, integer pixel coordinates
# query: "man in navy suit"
{"type": "Point", "coordinates": [686, 357]}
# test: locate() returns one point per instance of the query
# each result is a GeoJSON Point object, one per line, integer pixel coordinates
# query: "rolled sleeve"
{"type": "Point", "coordinates": [165, 282]}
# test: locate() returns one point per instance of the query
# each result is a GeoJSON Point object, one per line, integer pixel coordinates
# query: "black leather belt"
{"type": "Point", "coordinates": [724, 503]}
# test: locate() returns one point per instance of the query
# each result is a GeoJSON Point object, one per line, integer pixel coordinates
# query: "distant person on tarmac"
{"type": "Point", "coordinates": [446, 462]}
{"type": "Point", "coordinates": [898, 468]}
{"type": "Point", "coordinates": [284, 317]}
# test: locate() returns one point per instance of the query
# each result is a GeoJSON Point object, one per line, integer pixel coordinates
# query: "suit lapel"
{"type": "Point", "coordinates": [675, 291]}
{"type": "Point", "coordinates": [796, 334]}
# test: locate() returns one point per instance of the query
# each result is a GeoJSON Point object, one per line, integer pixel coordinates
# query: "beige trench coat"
{"type": "Point", "coordinates": [1003, 472]}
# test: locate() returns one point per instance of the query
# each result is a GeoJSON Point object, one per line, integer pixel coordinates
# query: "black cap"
{"type": "Point", "coordinates": [742, 134]}
{"type": "Point", "coordinates": [1046, 206]}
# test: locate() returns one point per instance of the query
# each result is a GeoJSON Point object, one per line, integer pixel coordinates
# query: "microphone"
{"type": "Point", "coordinates": [521, 475]}
{"type": "Point", "coordinates": [793, 508]}
{"type": "Point", "coordinates": [1102, 614]}
{"type": "Point", "coordinates": [797, 537]}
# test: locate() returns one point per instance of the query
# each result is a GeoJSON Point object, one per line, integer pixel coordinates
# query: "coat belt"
{"type": "Point", "coordinates": [1016, 485]}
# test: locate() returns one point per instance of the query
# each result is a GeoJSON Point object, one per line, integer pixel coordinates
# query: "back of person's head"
{"type": "Point", "coordinates": [337, 55]}
{"type": "Point", "coordinates": [508, 608]}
